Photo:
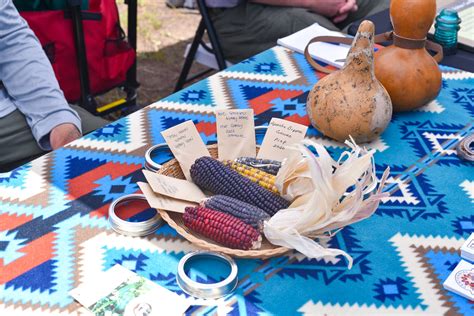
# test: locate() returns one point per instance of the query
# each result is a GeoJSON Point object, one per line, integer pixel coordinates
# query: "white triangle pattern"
{"type": "Point", "coordinates": [92, 251]}
{"type": "Point", "coordinates": [137, 137]}
{"type": "Point", "coordinates": [14, 310]}
{"type": "Point", "coordinates": [414, 266]}
{"type": "Point", "coordinates": [433, 107]}
{"type": "Point", "coordinates": [34, 182]}
{"type": "Point", "coordinates": [285, 61]}
{"type": "Point", "coordinates": [468, 187]}
{"type": "Point", "coordinates": [457, 75]}
{"type": "Point", "coordinates": [407, 196]}
{"type": "Point", "coordinates": [434, 140]}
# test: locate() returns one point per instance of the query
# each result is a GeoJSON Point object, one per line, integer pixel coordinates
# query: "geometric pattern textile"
{"type": "Point", "coordinates": [54, 232]}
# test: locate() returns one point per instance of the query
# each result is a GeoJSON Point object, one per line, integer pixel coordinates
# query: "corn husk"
{"type": "Point", "coordinates": [322, 204]}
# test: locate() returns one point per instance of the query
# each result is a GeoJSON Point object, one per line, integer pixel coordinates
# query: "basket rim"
{"type": "Point", "coordinates": [209, 245]}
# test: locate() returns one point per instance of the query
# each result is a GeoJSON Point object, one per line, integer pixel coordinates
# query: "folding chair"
{"type": "Point", "coordinates": [79, 87]}
{"type": "Point", "coordinates": [210, 55]}
{"type": "Point", "coordinates": [131, 85]}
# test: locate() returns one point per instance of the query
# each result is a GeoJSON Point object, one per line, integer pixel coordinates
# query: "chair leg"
{"type": "Point", "coordinates": [132, 40]}
{"type": "Point", "coordinates": [87, 100]}
{"type": "Point", "coordinates": [190, 57]}
{"type": "Point", "coordinates": [211, 33]}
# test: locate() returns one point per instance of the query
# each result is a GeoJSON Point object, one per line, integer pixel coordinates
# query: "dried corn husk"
{"type": "Point", "coordinates": [321, 205]}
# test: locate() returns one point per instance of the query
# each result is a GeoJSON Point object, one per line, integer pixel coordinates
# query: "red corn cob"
{"type": "Point", "coordinates": [222, 228]}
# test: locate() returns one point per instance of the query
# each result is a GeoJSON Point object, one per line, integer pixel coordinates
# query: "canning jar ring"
{"type": "Point", "coordinates": [206, 290]}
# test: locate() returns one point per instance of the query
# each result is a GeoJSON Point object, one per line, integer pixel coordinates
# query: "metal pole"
{"type": "Point", "coordinates": [132, 40]}
{"type": "Point", "coordinates": [87, 100]}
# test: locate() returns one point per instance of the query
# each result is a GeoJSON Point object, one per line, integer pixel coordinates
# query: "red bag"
{"type": "Point", "coordinates": [108, 54]}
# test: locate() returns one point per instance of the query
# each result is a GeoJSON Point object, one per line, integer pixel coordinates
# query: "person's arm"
{"type": "Point", "coordinates": [337, 9]}
{"type": "Point", "coordinates": [29, 79]}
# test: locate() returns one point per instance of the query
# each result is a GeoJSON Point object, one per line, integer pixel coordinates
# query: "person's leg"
{"type": "Point", "coordinates": [17, 145]}
{"type": "Point", "coordinates": [366, 8]}
{"type": "Point", "coordinates": [251, 28]}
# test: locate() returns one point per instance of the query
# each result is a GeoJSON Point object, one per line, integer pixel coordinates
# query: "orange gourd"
{"type": "Point", "coordinates": [410, 75]}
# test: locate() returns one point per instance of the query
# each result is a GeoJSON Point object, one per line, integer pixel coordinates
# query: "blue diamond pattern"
{"type": "Point", "coordinates": [107, 187]}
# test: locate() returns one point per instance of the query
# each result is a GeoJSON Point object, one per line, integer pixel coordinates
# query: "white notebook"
{"type": "Point", "coordinates": [332, 54]}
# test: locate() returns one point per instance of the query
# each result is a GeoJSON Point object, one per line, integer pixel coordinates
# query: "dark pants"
{"type": "Point", "coordinates": [251, 28]}
{"type": "Point", "coordinates": [17, 145]}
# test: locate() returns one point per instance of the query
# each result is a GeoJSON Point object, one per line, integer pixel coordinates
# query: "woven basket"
{"type": "Point", "coordinates": [175, 220]}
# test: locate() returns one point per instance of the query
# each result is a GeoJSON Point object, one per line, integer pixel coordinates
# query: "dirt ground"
{"type": "Point", "coordinates": [163, 34]}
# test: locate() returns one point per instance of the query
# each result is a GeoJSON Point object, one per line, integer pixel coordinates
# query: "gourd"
{"type": "Point", "coordinates": [410, 75]}
{"type": "Point", "coordinates": [351, 101]}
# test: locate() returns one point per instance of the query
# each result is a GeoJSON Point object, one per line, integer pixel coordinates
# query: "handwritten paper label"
{"type": "Point", "coordinates": [280, 134]}
{"type": "Point", "coordinates": [172, 187]}
{"type": "Point", "coordinates": [235, 134]}
{"type": "Point", "coordinates": [163, 202]}
{"type": "Point", "coordinates": [185, 144]}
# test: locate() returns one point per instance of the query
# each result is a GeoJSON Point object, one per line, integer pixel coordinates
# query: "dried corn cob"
{"type": "Point", "coordinates": [222, 228]}
{"type": "Point", "coordinates": [260, 177]}
{"type": "Point", "coordinates": [210, 174]}
{"type": "Point", "coordinates": [247, 213]}
{"type": "Point", "coordinates": [266, 165]}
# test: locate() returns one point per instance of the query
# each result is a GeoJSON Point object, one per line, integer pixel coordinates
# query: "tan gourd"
{"type": "Point", "coordinates": [351, 101]}
{"type": "Point", "coordinates": [410, 75]}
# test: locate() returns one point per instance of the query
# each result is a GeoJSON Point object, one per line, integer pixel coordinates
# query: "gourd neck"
{"type": "Point", "coordinates": [408, 43]}
{"type": "Point", "coordinates": [361, 55]}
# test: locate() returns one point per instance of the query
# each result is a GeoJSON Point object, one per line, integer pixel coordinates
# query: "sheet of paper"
{"type": "Point", "coordinates": [461, 280]}
{"type": "Point", "coordinates": [280, 134]}
{"type": "Point", "coordinates": [235, 134]}
{"type": "Point", "coordinates": [186, 145]}
{"type": "Point", "coordinates": [173, 187]}
{"type": "Point", "coordinates": [163, 202]}
{"type": "Point", "coordinates": [325, 52]}
{"type": "Point", "coordinates": [119, 291]}
{"type": "Point", "coordinates": [467, 249]}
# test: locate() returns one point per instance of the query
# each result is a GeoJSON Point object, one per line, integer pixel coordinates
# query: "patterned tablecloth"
{"type": "Point", "coordinates": [54, 232]}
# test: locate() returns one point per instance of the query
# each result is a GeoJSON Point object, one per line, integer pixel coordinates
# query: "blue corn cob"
{"type": "Point", "coordinates": [247, 213]}
{"type": "Point", "coordinates": [267, 165]}
{"type": "Point", "coordinates": [211, 175]}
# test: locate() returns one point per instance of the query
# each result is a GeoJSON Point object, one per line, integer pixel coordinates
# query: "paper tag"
{"type": "Point", "coordinates": [467, 249]}
{"type": "Point", "coordinates": [163, 202]}
{"type": "Point", "coordinates": [280, 134]}
{"type": "Point", "coordinates": [173, 187]}
{"type": "Point", "coordinates": [186, 145]}
{"type": "Point", "coordinates": [460, 281]}
{"type": "Point", "coordinates": [235, 134]}
{"type": "Point", "coordinates": [119, 291]}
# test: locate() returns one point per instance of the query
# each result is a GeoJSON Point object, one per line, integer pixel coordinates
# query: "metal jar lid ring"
{"type": "Point", "coordinates": [464, 148]}
{"type": "Point", "coordinates": [149, 163]}
{"type": "Point", "coordinates": [204, 290]}
{"type": "Point", "coordinates": [124, 227]}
